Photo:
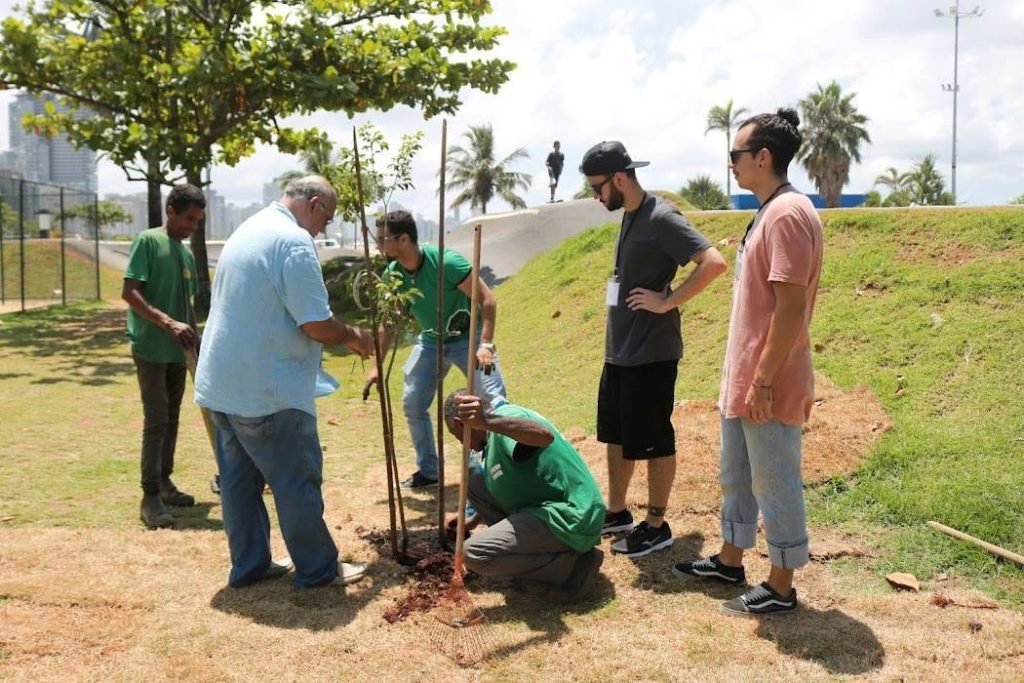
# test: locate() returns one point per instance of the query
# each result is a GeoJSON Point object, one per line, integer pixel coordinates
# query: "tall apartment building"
{"type": "Point", "coordinates": [46, 160]}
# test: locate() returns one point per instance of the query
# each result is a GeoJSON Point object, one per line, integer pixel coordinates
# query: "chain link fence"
{"type": "Point", "coordinates": [49, 245]}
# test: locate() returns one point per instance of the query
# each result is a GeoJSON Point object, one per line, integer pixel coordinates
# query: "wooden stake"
{"type": "Point", "coordinates": [994, 549]}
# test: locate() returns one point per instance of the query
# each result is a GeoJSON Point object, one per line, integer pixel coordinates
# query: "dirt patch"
{"type": "Point", "coordinates": [843, 428]}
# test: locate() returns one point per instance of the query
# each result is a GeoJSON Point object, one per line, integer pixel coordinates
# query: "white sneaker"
{"type": "Point", "coordinates": [350, 572]}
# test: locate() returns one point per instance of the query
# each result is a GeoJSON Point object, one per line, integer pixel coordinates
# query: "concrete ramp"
{"type": "Point", "coordinates": [511, 239]}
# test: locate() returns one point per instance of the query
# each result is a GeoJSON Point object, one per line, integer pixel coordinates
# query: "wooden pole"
{"type": "Point", "coordinates": [994, 549]}
{"type": "Point", "coordinates": [468, 432]}
{"type": "Point", "coordinates": [440, 327]}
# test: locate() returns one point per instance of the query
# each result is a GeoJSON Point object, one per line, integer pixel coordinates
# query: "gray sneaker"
{"type": "Point", "coordinates": [759, 601]}
{"type": "Point", "coordinates": [153, 513]}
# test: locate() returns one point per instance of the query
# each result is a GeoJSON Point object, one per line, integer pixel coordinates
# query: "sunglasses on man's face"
{"type": "Point", "coordinates": [734, 154]}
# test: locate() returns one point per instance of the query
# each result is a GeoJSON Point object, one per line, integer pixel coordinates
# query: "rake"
{"type": "Point", "coordinates": [459, 630]}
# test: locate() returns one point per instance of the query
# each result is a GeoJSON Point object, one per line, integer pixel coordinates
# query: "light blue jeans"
{"type": "Point", "coordinates": [760, 469]}
{"type": "Point", "coordinates": [420, 389]}
{"type": "Point", "coordinates": [283, 450]}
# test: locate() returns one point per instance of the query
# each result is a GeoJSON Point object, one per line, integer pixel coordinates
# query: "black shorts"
{"type": "Point", "coordinates": [634, 409]}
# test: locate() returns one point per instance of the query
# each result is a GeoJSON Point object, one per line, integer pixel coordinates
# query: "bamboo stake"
{"type": "Point", "coordinates": [994, 549]}
{"type": "Point", "coordinates": [442, 538]}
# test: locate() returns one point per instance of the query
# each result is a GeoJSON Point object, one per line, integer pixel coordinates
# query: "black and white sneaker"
{"type": "Point", "coordinates": [617, 523]}
{"type": "Point", "coordinates": [418, 481]}
{"type": "Point", "coordinates": [713, 569]}
{"type": "Point", "coordinates": [759, 601]}
{"type": "Point", "coordinates": [644, 540]}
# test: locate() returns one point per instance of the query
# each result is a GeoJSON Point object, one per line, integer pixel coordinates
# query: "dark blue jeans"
{"type": "Point", "coordinates": [283, 450]}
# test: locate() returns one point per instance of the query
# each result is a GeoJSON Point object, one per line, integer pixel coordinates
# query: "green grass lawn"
{"type": "Point", "coordinates": [43, 276]}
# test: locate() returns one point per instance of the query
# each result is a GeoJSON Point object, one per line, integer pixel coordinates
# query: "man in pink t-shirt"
{"type": "Point", "coordinates": [768, 380]}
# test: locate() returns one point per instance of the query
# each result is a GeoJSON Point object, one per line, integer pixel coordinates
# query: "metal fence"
{"type": "Point", "coordinates": [49, 245]}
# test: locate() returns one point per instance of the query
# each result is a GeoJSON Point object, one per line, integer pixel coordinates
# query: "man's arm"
{"type": "Point", "coordinates": [332, 332]}
{"type": "Point", "coordinates": [710, 265]}
{"type": "Point", "coordinates": [489, 313]}
{"type": "Point", "coordinates": [787, 321]}
{"type": "Point", "coordinates": [526, 432]}
{"type": "Point", "coordinates": [132, 294]}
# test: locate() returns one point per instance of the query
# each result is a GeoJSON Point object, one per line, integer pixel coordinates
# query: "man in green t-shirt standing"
{"type": "Point", "coordinates": [159, 284]}
{"type": "Point", "coordinates": [542, 506]}
{"type": "Point", "coordinates": [416, 266]}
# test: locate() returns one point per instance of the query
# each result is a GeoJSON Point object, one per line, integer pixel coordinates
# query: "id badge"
{"type": "Point", "coordinates": [611, 297]}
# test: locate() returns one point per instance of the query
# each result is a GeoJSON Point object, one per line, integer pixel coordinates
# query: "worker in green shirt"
{"type": "Point", "coordinates": [159, 284]}
{"type": "Point", "coordinates": [543, 509]}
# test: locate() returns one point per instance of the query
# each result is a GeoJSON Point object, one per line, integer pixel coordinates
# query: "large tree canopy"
{"type": "Point", "coordinates": [197, 82]}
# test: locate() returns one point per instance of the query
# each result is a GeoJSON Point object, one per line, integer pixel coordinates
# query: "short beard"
{"type": "Point", "coordinates": [615, 199]}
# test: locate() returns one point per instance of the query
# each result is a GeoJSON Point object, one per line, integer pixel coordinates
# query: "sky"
{"type": "Point", "coordinates": [646, 72]}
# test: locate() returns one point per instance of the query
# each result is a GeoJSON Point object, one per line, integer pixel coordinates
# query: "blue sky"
{"type": "Point", "coordinates": [647, 72]}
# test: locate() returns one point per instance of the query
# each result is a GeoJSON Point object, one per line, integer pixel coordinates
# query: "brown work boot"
{"type": "Point", "coordinates": [153, 513]}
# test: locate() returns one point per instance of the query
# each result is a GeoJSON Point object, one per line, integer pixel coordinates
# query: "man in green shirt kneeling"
{"type": "Point", "coordinates": [543, 509]}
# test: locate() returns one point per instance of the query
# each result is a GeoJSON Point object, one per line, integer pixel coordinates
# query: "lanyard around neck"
{"type": "Point", "coordinates": [760, 210]}
{"type": "Point", "coordinates": [624, 230]}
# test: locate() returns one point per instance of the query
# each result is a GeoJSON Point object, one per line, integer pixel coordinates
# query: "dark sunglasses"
{"type": "Point", "coordinates": [734, 154]}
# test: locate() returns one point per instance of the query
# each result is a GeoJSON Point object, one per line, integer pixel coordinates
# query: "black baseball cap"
{"type": "Point", "coordinates": [608, 157]}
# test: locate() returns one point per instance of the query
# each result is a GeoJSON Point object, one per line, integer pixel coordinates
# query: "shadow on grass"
{"type": "Point", "coordinates": [831, 639]}
{"type": "Point", "coordinates": [76, 336]}
{"type": "Point", "coordinates": [196, 518]}
{"type": "Point", "coordinates": [280, 604]}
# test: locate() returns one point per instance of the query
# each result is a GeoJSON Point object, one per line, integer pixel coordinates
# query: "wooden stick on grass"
{"type": "Point", "coordinates": [994, 549]}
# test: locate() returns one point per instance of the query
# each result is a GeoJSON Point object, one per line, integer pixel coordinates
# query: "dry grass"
{"type": "Point", "coordinates": [107, 600]}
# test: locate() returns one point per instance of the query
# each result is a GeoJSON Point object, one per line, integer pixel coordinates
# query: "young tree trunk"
{"type": "Point", "coordinates": [198, 245]}
{"type": "Point", "coordinates": [154, 202]}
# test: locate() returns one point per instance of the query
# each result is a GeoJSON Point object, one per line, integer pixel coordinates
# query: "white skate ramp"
{"type": "Point", "coordinates": [511, 239]}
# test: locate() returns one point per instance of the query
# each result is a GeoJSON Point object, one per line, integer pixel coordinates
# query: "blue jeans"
{"type": "Point", "coordinates": [760, 469]}
{"type": "Point", "coordinates": [283, 450]}
{"type": "Point", "coordinates": [421, 387]}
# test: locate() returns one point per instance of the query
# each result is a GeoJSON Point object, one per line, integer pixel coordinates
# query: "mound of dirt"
{"type": "Point", "coordinates": [843, 428]}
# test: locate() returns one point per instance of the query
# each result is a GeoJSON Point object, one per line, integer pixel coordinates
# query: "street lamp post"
{"type": "Point", "coordinates": [955, 13]}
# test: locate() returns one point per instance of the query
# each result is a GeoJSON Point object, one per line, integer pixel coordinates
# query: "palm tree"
{"type": "Point", "coordinates": [925, 184]}
{"type": "Point", "coordinates": [833, 133]}
{"type": "Point", "coordinates": [473, 173]}
{"type": "Point", "coordinates": [892, 179]}
{"type": "Point", "coordinates": [725, 119]}
{"type": "Point", "coordinates": [704, 193]}
{"type": "Point", "coordinates": [317, 159]}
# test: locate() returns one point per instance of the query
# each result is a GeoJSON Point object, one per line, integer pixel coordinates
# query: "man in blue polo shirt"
{"type": "Point", "coordinates": [259, 373]}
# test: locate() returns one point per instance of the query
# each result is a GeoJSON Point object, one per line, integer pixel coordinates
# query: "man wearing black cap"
{"type": "Point", "coordinates": [643, 342]}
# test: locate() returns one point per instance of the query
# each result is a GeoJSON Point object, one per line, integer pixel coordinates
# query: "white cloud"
{"type": "Point", "coordinates": [647, 73]}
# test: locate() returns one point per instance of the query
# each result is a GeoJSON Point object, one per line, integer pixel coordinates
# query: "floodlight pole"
{"type": "Point", "coordinates": [955, 13]}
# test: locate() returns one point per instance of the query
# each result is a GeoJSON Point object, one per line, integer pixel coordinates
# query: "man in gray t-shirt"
{"type": "Point", "coordinates": [643, 342]}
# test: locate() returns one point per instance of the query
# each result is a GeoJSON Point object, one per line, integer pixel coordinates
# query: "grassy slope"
{"type": "Point", "coordinates": [922, 306]}
{"type": "Point", "coordinates": [43, 273]}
